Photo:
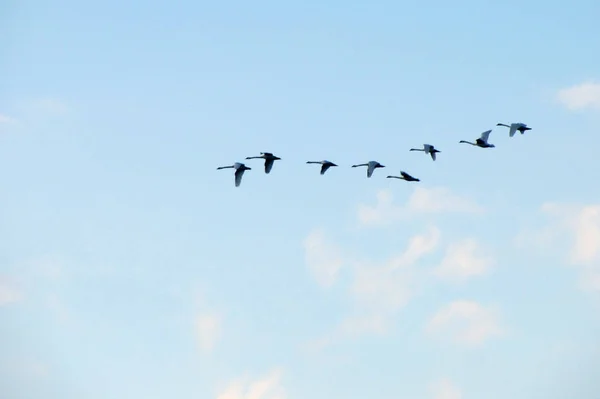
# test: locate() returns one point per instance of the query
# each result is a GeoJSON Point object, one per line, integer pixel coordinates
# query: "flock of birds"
{"type": "Point", "coordinates": [270, 159]}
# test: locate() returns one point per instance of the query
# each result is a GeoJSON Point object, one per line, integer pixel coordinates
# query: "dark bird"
{"type": "Point", "coordinates": [405, 176]}
{"type": "Point", "coordinates": [324, 165]}
{"type": "Point", "coordinates": [269, 160]}
{"type": "Point", "coordinates": [239, 171]}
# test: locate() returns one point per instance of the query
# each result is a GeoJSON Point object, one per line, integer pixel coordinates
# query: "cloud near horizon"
{"type": "Point", "coordinates": [582, 96]}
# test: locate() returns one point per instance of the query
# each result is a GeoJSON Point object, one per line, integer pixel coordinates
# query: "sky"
{"type": "Point", "coordinates": [131, 267]}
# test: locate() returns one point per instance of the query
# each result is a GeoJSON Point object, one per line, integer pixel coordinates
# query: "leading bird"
{"type": "Point", "coordinates": [240, 168]}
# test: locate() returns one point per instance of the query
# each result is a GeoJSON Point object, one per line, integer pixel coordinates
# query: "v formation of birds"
{"type": "Point", "coordinates": [270, 159]}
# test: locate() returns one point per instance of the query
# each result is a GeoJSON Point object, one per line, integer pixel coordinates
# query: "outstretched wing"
{"type": "Point", "coordinates": [405, 175]}
{"type": "Point", "coordinates": [370, 169]}
{"type": "Point", "coordinates": [269, 165]}
{"type": "Point", "coordinates": [432, 155]}
{"type": "Point", "coordinates": [238, 177]}
{"type": "Point", "coordinates": [513, 129]}
{"type": "Point", "coordinates": [324, 168]}
{"type": "Point", "coordinates": [427, 147]}
{"type": "Point", "coordinates": [485, 135]}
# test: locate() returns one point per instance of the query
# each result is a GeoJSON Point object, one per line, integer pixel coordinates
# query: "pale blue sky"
{"type": "Point", "coordinates": [131, 267]}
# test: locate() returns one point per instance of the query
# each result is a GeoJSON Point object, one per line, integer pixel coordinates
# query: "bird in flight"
{"type": "Point", "coordinates": [269, 160]}
{"type": "Point", "coordinates": [514, 127]}
{"type": "Point", "coordinates": [482, 141]}
{"type": "Point", "coordinates": [428, 149]}
{"type": "Point", "coordinates": [371, 166]}
{"type": "Point", "coordinates": [404, 176]}
{"type": "Point", "coordinates": [240, 168]}
{"type": "Point", "coordinates": [324, 165]}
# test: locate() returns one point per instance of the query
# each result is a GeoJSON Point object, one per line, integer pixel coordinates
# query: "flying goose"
{"type": "Point", "coordinates": [325, 165]}
{"type": "Point", "coordinates": [514, 127]}
{"type": "Point", "coordinates": [269, 160]}
{"type": "Point", "coordinates": [371, 166]}
{"type": "Point", "coordinates": [405, 176]}
{"type": "Point", "coordinates": [239, 171]}
{"type": "Point", "coordinates": [428, 149]}
{"type": "Point", "coordinates": [482, 141]}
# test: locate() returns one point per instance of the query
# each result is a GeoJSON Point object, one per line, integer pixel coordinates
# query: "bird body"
{"type": "Point", "coordinates": [482, 141]}
{"type": "Point", "coordinates": [240, 168]}
{"type": "Point", "coordinates": [324, 165]}
{"type": "Point", "coordinates": [269, 160]}
{"type": "Point", "coordinates": [404, 176]}
{"type": "Point", "coordinates": [514, 127]}
{"type": "Point", "coordinates": [428, 149]}
{"type": "Point", "coordinates": [371, 166]}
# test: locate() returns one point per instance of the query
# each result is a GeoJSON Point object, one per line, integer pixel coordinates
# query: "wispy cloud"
{"type": "Point", "coordinates": [463, 260]}
{"type": "Point", "coordinates": [10, 291]}
{"type": "Point", "coordinates": [380, 289]}
{"type": "Point", "coordinates": [444, 389]}
{"type": "Point", "coordinates": [323, 258]}
{"type": "Point", "coordinates": [5, 119]}
{"type": "Point", "coordinates": [577, 227]}
{"type": "Point", "coordinates": [585, 95]}
{"type": "Point", "coordinates": [267, 387]}
{"type": "Point", "coordinates": [51, 105]}
{"type": "Point", "coordinates": [208, 330]}
{"type": "Point", "coordinates": [422, 200]}
{"type": "Point", "coordinates": [465, 322]}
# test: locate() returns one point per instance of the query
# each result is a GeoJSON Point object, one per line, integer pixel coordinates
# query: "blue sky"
{"type": "Point", "coordinates": [131, 267]}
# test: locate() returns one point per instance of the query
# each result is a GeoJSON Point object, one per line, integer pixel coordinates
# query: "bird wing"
{"type": "Point", "coordinates": [405, 175]}
{"type": "Point", "coordinates": [513, 129]}
{"type": "Point", "coordinates": [485, 135]}
{"type": "Point", "coordinates": [269, 165]}
{"type": "Point", "coordinates": [432, 155]}
{"type": "Point", "coordinates": [370, 169]}
{"type": "Point", "coordinates": [238, 177]}
{"type": "Point", "coordinates": [427, 147]}
{"type": "Point", "coordinates": [324, 168]}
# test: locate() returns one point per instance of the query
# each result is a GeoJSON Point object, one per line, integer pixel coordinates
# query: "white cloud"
{"type": "Point", "coordinates": [208, 330]}
{"type": "Point", "coordinates": [7, 119]}
{"type": "Point", "coordinates": [462, 261]}
{"type": "Point", "coordinates": [52, 106]}
{"type": "Point", "coordinates": [581, 96]}
{"type": "Point", "coordinates": [444, 389]}
{"type": "Point", "coordinates": [422, 200]}
{"type": "Point", "coordinates": [440, 199]}
{"type": "Point", "coordinates": [268, 387]}
{"type": "Point", "coordinates": [465, 322]}
{"type": "Point", "coordinates": [379, 291]}
{"type": "Point", "coordinates": [323, 258]}
{"type": "Point", "coordinates": [577, 227]}
{"type": "Point", "coordinates": [9, 291]}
